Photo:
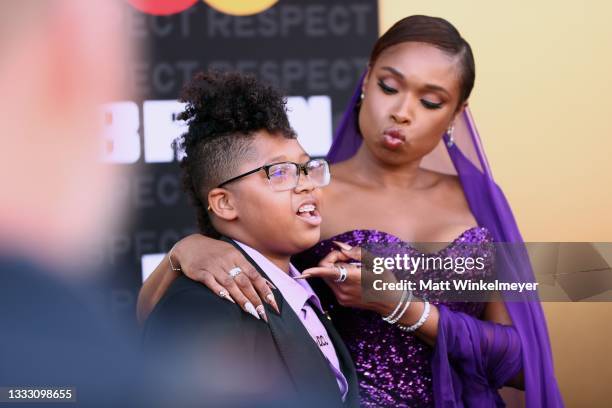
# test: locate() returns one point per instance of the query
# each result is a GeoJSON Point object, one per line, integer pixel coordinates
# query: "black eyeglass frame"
{"type": "Point", "coordinates": [301, 168]}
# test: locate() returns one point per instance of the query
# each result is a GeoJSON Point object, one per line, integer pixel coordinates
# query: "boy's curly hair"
{"type": "Point", "coordinates": [223, 112]}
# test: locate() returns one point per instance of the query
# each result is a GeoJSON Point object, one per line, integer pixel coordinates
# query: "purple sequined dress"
{"type": "Point", "coordinates": [393, 367]}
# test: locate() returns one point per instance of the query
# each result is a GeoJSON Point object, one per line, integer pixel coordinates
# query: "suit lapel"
{"type": "Point", "coordinates": [346, 362]}
{"type": "Point", "coordinates": [308, 367]}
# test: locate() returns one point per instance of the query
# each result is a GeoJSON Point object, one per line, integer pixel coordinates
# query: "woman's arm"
{"type": "Point", "coordinates": [153, 289]}
{"type": "Point", "coordinates": [207, 261]}
{"type": "Point", "coordinates": [495, 312]}
{"type": "Point", "coordinates": [497, 341]}
{"type": "Point", "coordinates": [491, 344]}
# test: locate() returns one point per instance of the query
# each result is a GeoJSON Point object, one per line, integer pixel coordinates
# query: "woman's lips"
{"type": "Point", "coordinates": [393, 138]}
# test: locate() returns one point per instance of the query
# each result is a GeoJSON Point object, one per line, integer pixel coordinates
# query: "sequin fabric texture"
{"type": "Point", "coordinates": [394, 367]}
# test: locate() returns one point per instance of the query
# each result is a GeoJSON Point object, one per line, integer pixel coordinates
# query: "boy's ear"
{"type": "Point", "coordinates": [221, 203]}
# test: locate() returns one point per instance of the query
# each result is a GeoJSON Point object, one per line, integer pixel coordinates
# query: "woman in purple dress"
{"type": "Point", "coordinates": [408, 167]}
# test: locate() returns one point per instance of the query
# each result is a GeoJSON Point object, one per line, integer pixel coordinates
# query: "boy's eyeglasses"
{"type": "Point", "coordinates": [286, 175]}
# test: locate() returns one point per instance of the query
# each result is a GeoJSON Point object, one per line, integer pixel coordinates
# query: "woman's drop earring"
{"type": "Point", "coordinates": [451, 141]}
{"type": "Point", "coordinates": [362, 95]}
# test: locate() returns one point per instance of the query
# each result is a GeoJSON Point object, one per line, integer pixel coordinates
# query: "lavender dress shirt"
{"type": "Point", "coordinates": [301, 298]}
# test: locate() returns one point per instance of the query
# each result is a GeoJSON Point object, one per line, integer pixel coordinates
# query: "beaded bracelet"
{"type": "Point", "coordinates": [397, 308]}
{"type": "Point", "coordinates": [418, 324]}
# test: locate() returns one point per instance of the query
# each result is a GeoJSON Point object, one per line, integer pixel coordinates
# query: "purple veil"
{"type": "Point", "coordinates": [462, 382]}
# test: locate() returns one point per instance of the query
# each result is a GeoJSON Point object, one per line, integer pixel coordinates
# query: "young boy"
{"type": "Point", "coordinates": [253, 185]}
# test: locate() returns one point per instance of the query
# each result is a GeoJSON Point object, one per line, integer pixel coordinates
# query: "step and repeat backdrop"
{"type": "Point", "coordinates": [535, 65]}
{"type": "Point", "coordinates": [315, 51]}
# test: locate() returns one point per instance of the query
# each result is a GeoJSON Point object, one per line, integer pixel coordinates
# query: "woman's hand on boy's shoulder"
{"type": "Point", "coordinates": [209, 262]}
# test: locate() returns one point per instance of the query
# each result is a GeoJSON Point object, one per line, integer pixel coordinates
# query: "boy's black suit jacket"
{"type": "Point", "coordinates": [207, 351]}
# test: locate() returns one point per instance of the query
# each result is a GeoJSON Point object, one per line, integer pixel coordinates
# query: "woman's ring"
{"type": "Point", "coordinates": [235, 272]}
{"type": "Point", "coordinates": [343, 273]}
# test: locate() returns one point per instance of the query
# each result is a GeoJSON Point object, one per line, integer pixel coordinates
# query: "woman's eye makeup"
{"type": "Point", "coordinates": [430, 104]}
{"type": "Point", "coordinates": [386, 88]}
{"type": "Point", "coordinates": [391, 91]}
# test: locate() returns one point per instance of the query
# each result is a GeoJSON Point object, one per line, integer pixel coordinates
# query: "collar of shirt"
{"type": "Point", "coordinates": [295, 291]}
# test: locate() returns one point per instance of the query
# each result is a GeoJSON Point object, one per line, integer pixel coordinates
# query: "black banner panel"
{"type": "Point", "coordinates": [315, 51]}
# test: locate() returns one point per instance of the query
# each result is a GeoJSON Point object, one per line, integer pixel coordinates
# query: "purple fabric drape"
{"type": "Point", "coordinates": [473, 358]}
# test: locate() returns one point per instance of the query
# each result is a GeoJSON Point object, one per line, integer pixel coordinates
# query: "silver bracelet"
{"type": "Point", "coordinates": [417, 325]}
{"type": "Point", "coordinates": [170, 260]}
{"type": "Point", "coordinates": [397, 308]}
{"type": "Point", "coordinates": [399, 316]}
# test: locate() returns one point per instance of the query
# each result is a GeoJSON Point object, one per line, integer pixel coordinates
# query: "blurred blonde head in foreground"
{"type": "Point", "coordinates": [59, 61]}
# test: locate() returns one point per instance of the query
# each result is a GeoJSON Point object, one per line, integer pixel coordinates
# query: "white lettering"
{"type": "Point", "coordinates": [120, 132]}
{"type": "Point", "coordinates": [310, 117]}
{"type": "Point", "coordinates": [160, 129]}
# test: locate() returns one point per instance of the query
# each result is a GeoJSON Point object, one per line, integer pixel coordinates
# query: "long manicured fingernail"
{"type": "Point", "coordinates": [225, 295]}
{"type": "Point", "coordinates": [248, 306]}
{"type": "Point", "coordinates": [272, 302]}
{"type": "Point", "coordinates": [303, 276]}
{"type": "Point", "coordinates": [342, 245]}
{"type": "Point", "coordinates": [261, 311]}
